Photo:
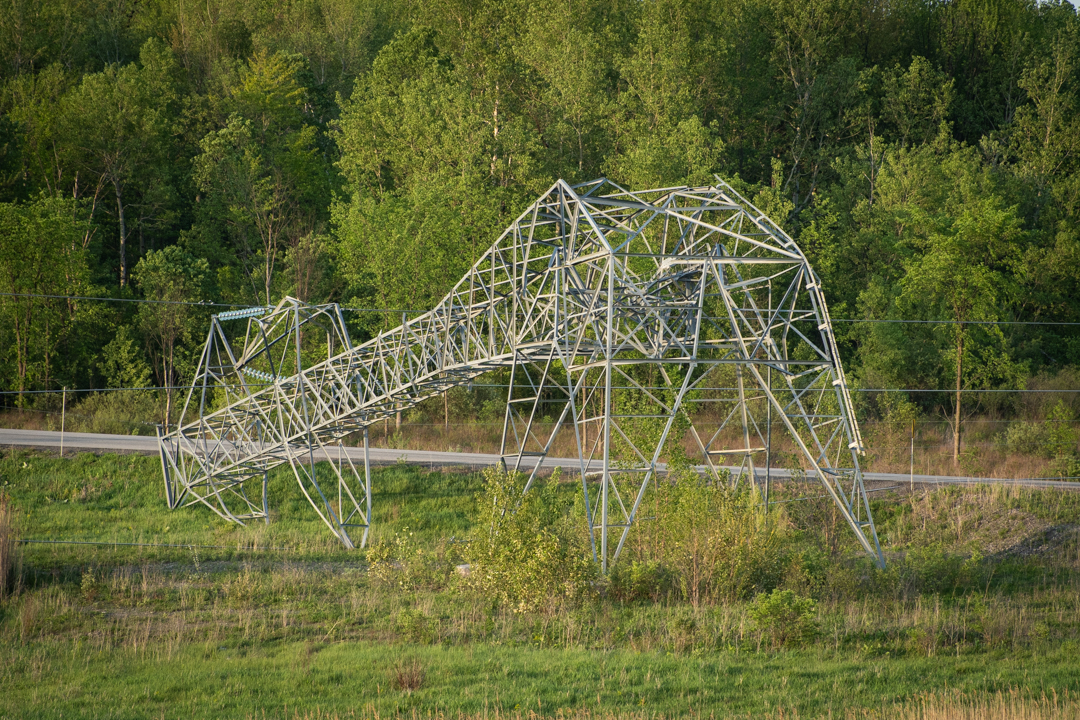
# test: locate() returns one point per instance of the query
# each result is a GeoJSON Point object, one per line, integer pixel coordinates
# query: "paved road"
{"type": "Point", "coordinates": [148, 445]}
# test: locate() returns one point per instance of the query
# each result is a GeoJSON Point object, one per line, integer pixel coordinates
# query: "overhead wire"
{"type": "Point", "coordinates": [613, 387]}
{"type": "Point", "coordinates": [193, 303]}
{"type": "Point", "coordinates": [185, 546]}
{"type": "Point", "coordinates": [922, 422]}
{"type": "Point", "coordinates": [398, 311]}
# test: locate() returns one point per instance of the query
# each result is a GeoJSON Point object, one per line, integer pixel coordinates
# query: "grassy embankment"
{"type": "Point", "coordinates": [244, 631]}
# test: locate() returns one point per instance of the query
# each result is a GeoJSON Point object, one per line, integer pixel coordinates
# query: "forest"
{"type": "Point", "coordinates": [925, 154]}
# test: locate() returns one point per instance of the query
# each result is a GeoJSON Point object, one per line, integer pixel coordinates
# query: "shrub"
{"type": "Point", "coordinates": [784, 617]}
{"type": "Point", "coordinates": [1054, 438]}
{"type": "Point", "coordinates": [808, 570]}
{"type": "Point", "coordinates": [524, 552]}
{"type": "Point", "coordinates": [1061, 440]}
{"type": "Point", "coordinates": [649, 580]}
{"type": "Point", "coordinates": [932, 569]}
{"type": "Point", "coordinates": [116, 413]}
{"type": "Point", "coordinates": [89, 585]}
{"type": "Point", "coordinates": [406, 564]}
{"type": "Point", "coordinates": [715, 543]}
{"type": "Point", "coordinates": [1025, 438]}
{"type": "Point", "coordinates": [382, 569]}
{"type": "Point", "coordinates": [416, 626]}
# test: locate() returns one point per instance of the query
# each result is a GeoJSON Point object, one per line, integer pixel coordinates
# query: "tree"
{"type": "Point", "coordinates": [253, 195]}
{"type": "Point", "coordinates": [1046, 135]}
{"type": "Point", "coordinates": [917, 101]}
{"type": "Point", "coordinates": [571, 94]}
{"type": "Point", "coordinates": [122, 361]}
{"type": "Point", "coordinates": [41, 253]}
{"type": "Point", "coordinates": [658, 130]}
{"type": "Point", "coordinates": [117, 124]}
{"type": "Point", "coordinates": [959, 277]}
{"type": "Point", "coordinates": [171, 280]}
{"type": "Point", "coordinates": [35, 102]}
{"type": "Point", "coordinates": [817, 88]}
{"type": "Point", "coordinates": [426, 176]}
{"type": "Point", "coordinates": [263, 173]}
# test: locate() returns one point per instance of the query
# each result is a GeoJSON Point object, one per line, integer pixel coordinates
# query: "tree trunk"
{"type": "Point", "coordinates": [48, 355]}
{"type": "Point", "coordinates": [22, 351]}
{"type": "Point", "coordinates": [166, 372]}
{"type": "Point", "coordinates": [584, 423]}
{"type": "Point", "coordinates": [123, 234]}
{"type": "Point", "coordinates": [168, 408]}
{"type": "Point", "coordinates": [269, 263]}
{"type": "Point", "coordinates": [959, 382]}
{"type": "Point", "coordinates": [580, 151]}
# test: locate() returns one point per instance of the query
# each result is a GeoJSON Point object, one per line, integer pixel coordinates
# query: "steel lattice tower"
{"type": "Point", "coordinates": [590, 292]}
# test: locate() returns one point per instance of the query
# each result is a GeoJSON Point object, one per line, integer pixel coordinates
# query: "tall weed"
{"type": "Point", "coordinates": [10, 565]}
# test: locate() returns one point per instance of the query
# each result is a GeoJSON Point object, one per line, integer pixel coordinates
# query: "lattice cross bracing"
{"type": "Point", "coordinates": [622, 316]}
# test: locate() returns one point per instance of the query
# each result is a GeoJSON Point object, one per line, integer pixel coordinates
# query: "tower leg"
{"type": "Point", "coordinates": [367, 490]}
{"type": "Point", "coordinates": [265, 503]}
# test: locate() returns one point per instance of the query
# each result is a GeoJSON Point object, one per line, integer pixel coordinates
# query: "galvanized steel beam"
{"type": "Point", "coordinates": [590, 287]}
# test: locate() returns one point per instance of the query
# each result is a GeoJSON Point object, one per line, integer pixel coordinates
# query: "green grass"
{"type": "Point", "coordinates": [121, 499]}
{"type": "Point", "coordinates": [104, 631]}
{"type": "Point", "coordinates": [237, 681]}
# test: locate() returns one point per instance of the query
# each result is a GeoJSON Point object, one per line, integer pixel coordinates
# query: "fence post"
{"type": "Point", "coordinates": [63, 420]}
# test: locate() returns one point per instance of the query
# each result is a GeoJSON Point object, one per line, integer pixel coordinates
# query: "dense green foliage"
{"type": "Point", "coordinates": [527, 552]}
{"type": "Point", "coordinates": [784, 617]}
{"type": "Point", "coordinates": [704, 543]}
{"type": "Point", "coordinates": [924, 153]}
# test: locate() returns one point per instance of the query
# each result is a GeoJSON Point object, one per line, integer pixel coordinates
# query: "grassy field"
{"type": "Point", "coordinates": [979, 608]}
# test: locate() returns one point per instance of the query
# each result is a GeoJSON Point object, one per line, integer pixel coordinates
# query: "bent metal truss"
{"type": "Point", "coordinates": [634, 325]}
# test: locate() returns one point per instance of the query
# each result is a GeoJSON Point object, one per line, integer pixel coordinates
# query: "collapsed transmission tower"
{"type": "Point", "coordinates": [624, 319]}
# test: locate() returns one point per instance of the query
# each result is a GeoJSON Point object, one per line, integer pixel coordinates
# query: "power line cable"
{"type": "Point", "coordinates": [398, 311]}
{"type": "Point", "coordinates": [956, 322]}
{"type": "Point", "coordinates": [614, 387]}
{"type": "Point", "coordinates": [193, 303]}
{"type": "Point", "coordinates": [924, 421]}
{"type": "Point", "coordinates": [205, 303]}
{"type": "Point", "coordinates": [164, 545]}
{"type": "Point", "coordinates": [476, 384]}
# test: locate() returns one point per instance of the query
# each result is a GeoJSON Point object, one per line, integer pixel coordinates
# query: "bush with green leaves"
{"type": "Point", "coordinates": [712, 542]}
{"type": "Point", "coordinates": [1053, 438]}
{"type": "Point", "coordinates": [10, 556]}
{"type": "Point", "coordinates": [784, 617]}
{"type": "Point", "coordinates": [527, 552]}
{"type": "Point", "coordinates": [409, 565]}
{"type": "Point", "coordinates": [1061, 439]}
{"type": "Point", "coordinates": [1025, 437]}
{"type": "Point", "coordinates": [636, 580]}
{"type": "Point", "coordinates": [933, 569]}
{"type": "Point", "coordinates": [416, 626]}
{"type": "Point", "coordinates": [116, 413]}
